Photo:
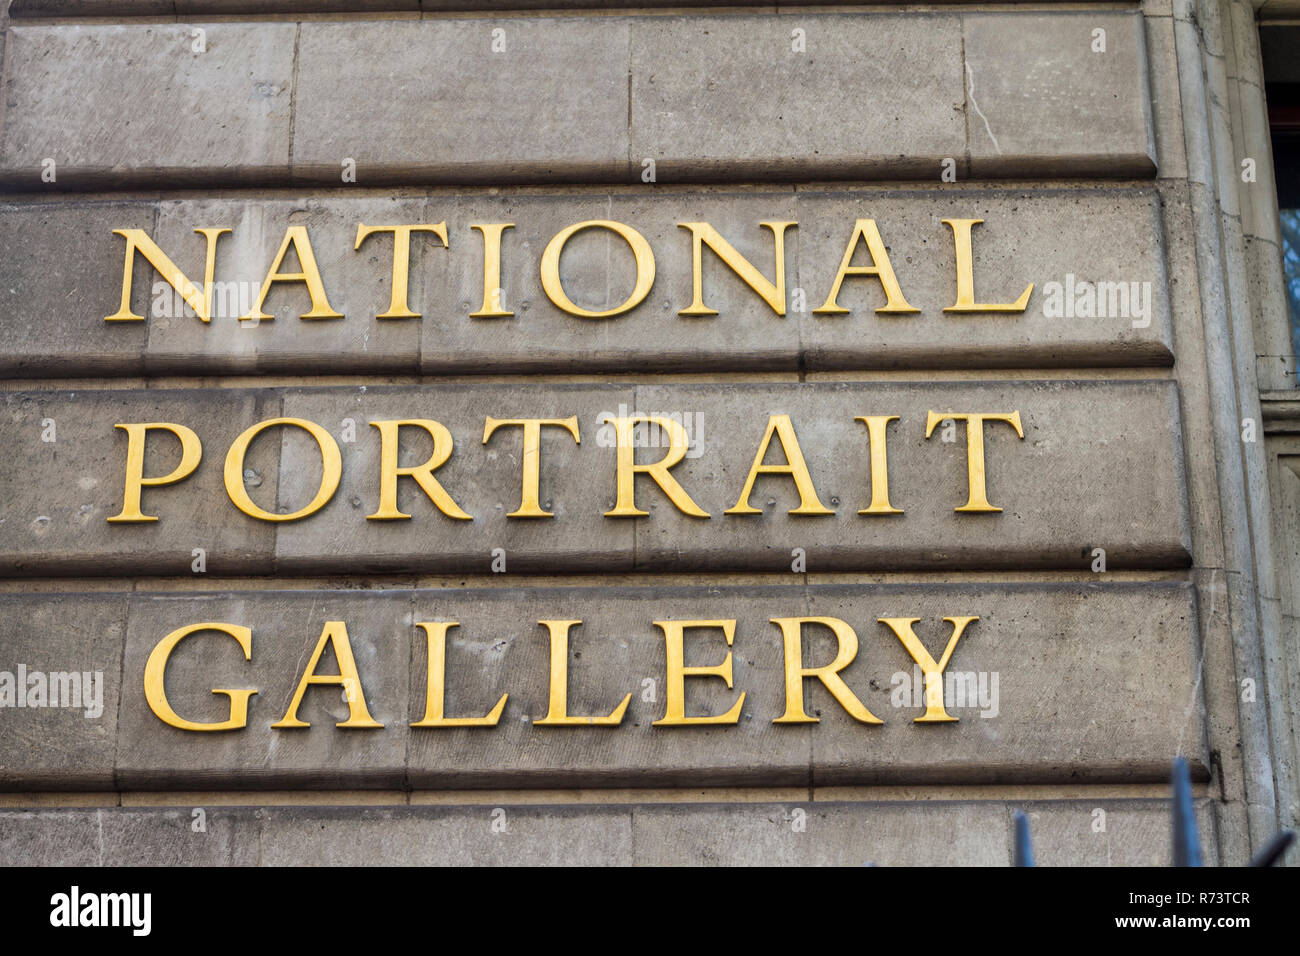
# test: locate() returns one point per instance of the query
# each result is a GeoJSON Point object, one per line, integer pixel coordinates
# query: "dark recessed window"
{"type": "Point", "coordinates": [1279, 46]}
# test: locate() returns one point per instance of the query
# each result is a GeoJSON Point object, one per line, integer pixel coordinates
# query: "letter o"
{"type": "Point", "coordinates": [331, 462]}
{"type": "Point", "coordinates": [645, 268]}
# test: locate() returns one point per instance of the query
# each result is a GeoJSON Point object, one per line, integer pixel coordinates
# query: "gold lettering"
{"type": "Point", "coordinates": [389, 472]}
{"type": "Point", "coordinates": [435, 633]}
{"type": "Point", "coordinates": [645, 268]}
{"type": "Point", "coordinates": [977, 499]}
{"type": "Point", "coordinates": [877, 431]}
{"type": "Point", "coordinates": [703, 234]}
{"type": "Point", "coordinates": [334, 634]}
{"type": "Point", "coordinates": [678, 445]}
{"type": "Point", "coordinates": [331, 469]}
{"type": "Point", "coordinates": [309, 276]}
{"type": "Point", "coordinates": [138, 241]}
{"type": "Point", "coordinates": [398, 306]}
{"type": "Point", "coordinates": [933, 673]}
{"type": "Point", "coordinates": [492, 289]}
{"type": "Point", "coordinates": [880, 268]}
{"type": "Point", "coordinates": [795, 672]}
{"type": "Point", "coordinates": [155, 670]}
{"type": "Point", "coordinates": [136, 432]}
{"type": "Point", "coordinates": [966, 274]}
{"type": "Point", "coordinates": [557, 713]}
{"type": "Point", "coordinates": [529, 505]}
{"type": "Point", "coordinates": [795, 467]}
{"type": "Point", "coordinates": [677, 672]}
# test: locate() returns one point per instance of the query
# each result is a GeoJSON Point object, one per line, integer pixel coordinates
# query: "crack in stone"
{"type": "Point", "coordinates": [970, 81]}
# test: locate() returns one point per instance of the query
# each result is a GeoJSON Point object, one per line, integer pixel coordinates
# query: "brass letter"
{"type": "Point", "coordinates": [423, 474]}
{"type": "Point", "coordinates": [645, 268]}
{"type": "Point", "coordinates": [335, 633]}
{"type": "Point", "coordinates": [902, 628]}
{"type": "Point", "coordinates": [310, 276]}
{"type": "Point", "coordinates": [880, 268]}
{"type": "Point", "coordinates": [795, 672]}
{"type": "Point", "coordinates": [557, 713]}
{"type": "Point", "coordinates": [677, 672]}
{"type": "Point", "coordinates": [703, 234]}
{"type": "Point", "coordinates": [877, 430]}
{"type": "Point", "coordinates": [191, 452]}
{"type": "Point", "coordinates": [966, 275]}
{"type": "Point", "coordinates": [796, 468]}
{"type": "Point", "coordinates": [136, 240]}
{"type": "Point", "coordinates": [977, 499]}
{"type": "Point", "coordinates": [678, 444]}
{"type": "Point", "coordinates": [398, 307]}
{"type": "Point", "coordinates": [331, 469]}
{"type": "Point", "coordinates": [155, 670]}
{"type": "Point", "coordinates": [529, 506]}
{"type": "Point", "coordinates": [435, 633]}
{"type": "Point", "coordinates": [492, 289]}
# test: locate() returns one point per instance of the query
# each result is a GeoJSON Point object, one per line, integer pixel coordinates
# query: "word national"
{"type": "Point", "coordinates": [772, 291]}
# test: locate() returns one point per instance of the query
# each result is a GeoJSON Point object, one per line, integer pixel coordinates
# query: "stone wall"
{"type": "Point", "coordinates": [1102, 532]}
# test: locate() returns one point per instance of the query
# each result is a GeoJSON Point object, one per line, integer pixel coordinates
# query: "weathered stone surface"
{"type": "Point", "coordinates": [170, 837]}
{"type": "Point", "coordinates": [62, 265]}
{"type": "Point", "coordinates": [1111, 445]}
{"type": "Point", "coordinates": [1166, 100]}
{"type": "Point", "coordinates": [69, 741]}
{"type": "Point", "coordinates": [971, 833]}
{"type": "Point", "coordinates": [60, 274]}
{"type": "Point", "coordinates": [130, 837]}
{"type": "Point", "coordinates": [50, 837]}
{"type": "Point", "coordinates": [225, 116]}
{"type": "Point", "coordinates": [505, 108]}
{"type": "Point", "coordinates": [1041, 96]}
{"type": "Point", "coordinates": [512, 114]}
{"type": "Point", "coordinates": [67, 475]}
{"type": "Point", "coordinates": [1136, 832]}
{"type": "Point", "coordinates": [1132, 646]}
{"type": "Point", "coordinates": [540, 835]}
{"type": "Point", "coordinates": [730, 96]}
{"type": "Point", "coordinates": [901, 834]}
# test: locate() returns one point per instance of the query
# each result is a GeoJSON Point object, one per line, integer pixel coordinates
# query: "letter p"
{"type": "Point", "coordinates": [191, 452]}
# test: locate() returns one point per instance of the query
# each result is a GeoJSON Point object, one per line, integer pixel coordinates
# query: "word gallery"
{"type": "Point", "coordinates": [714, 633]}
